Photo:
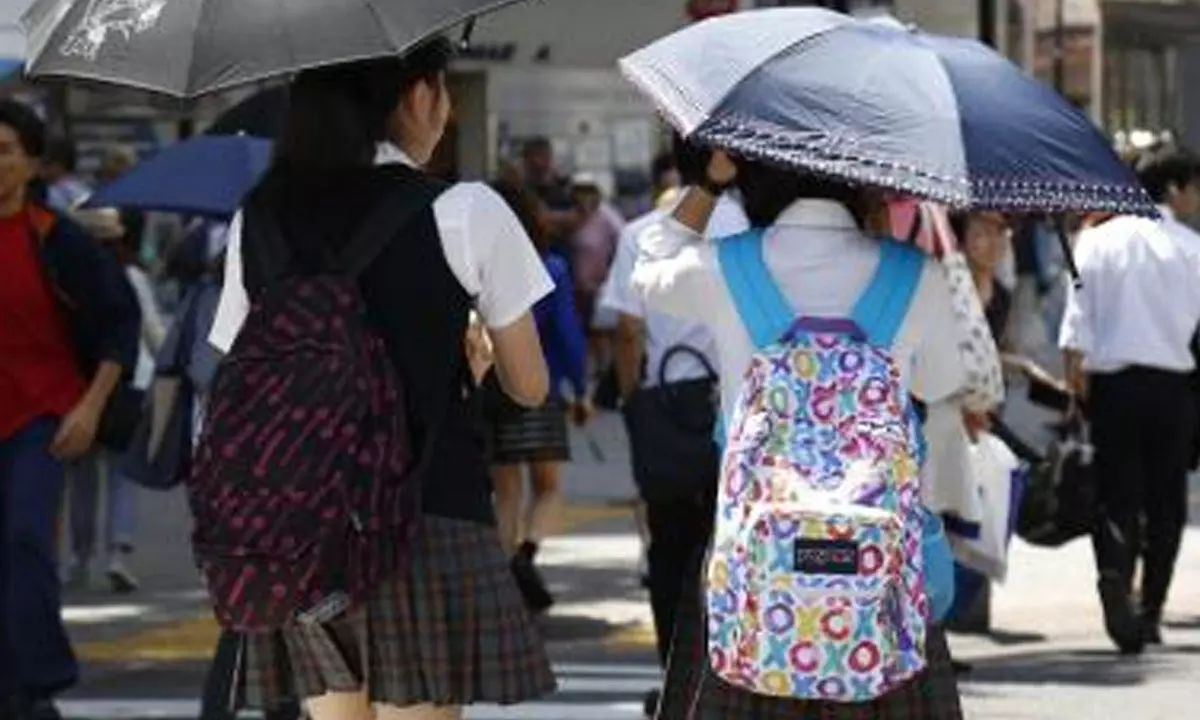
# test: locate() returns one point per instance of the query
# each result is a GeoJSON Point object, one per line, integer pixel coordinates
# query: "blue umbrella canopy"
{"type": "Point", "coordinates": [942, 118]}
{"type": "Point", "coordinates": [207, 175]}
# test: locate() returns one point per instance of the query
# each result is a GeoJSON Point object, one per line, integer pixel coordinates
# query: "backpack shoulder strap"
{"type": "Point", "coordinates": [881, 310]}
{"type": "Point", "coordinates": [400, 205]}
{"type": "Point", "coordinates": [762, 306]}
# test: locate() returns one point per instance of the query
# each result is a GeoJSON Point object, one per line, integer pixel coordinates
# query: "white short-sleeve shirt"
{"type": "Point", "coordinates": [663, 331]}
{"type": "Point", "coordinates": [485, 246]}
{"type": "Point", "coordinates": [822, 263]}
{"type": "Point", "coordinates": [1139, 302]}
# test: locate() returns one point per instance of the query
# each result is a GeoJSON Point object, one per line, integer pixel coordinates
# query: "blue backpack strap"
{"type": "Point", "coordinates": [881, 310]}
{"type": "Point", "coordinates": [762, 306]}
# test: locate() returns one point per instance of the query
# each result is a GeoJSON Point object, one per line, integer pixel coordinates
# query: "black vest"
{"type": "Point", "coordinates": [418, 306]}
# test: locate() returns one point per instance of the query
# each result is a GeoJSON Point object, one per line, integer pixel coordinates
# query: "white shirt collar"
{"type": "Point", "coordinates": [811, 212]}
{"type": "Point", "coordinates": [1168, 214]}
{"type": "Point", "coordinates": [387, 153]}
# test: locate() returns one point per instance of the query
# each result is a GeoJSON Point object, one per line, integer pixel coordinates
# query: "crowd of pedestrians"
{"type": "Point", "coordinates": [805, 366]}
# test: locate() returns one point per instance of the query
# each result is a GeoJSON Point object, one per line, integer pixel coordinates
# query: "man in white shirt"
{"type": "Point", "coordinates": [679, 527]}
{"type": "Point", "coordinates": [1125, 335]}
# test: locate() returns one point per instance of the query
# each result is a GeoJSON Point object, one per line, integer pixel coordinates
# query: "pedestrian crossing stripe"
{"type": "Point", "coordinates": [604, 691]}
{"type": "Point", "coordinates": [190, 709]}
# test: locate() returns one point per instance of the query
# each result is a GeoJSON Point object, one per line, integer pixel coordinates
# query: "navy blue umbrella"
{"type": "Point", "coordinates": [947, 119]}
{"type": "Point", "coordinates": [206, 175]}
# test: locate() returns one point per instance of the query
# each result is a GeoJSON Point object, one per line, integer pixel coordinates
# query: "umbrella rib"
{"type": "Point", "coordinates": [382, 23]}
{"type": "Point", "coordinates": [191, 60]}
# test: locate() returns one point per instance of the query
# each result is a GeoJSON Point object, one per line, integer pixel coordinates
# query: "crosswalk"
{"type": "Point", "coordinates": [599, 691]}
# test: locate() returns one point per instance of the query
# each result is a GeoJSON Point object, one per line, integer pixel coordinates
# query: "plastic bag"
{"type": "Point", "coordinates": [998, 477]}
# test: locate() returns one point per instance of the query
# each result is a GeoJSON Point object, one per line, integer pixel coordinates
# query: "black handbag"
{"type": "Point", "coordinates": [670, 429]}
{"type": "Point", "coordinates": [120, 418]}
{"type": "Point", "coordinates": [1060, 502]}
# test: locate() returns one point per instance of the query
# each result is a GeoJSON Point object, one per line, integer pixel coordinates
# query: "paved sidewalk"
{"type": "Point", "coordinates": [1047, 660]}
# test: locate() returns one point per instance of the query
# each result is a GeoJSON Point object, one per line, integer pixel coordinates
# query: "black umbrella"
{"type": "Point", "coordinates": [187, 48]}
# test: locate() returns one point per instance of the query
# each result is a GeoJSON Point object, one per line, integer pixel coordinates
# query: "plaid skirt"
{"type": "Point", "coordinates": [693, 692]}
{"type": "Point", "coordinates": [523, 435]}
{"type": "Point", "coordinates": [453, 630]}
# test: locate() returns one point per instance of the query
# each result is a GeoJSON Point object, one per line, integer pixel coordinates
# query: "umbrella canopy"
{"type": "Point", "coordinates": [263, 114]}
{"type": "Point", "coordinates": [942, 118]}
{"type": "Point", "coordinates": [12, 40]}
{"type": "Point", "coordinates": [206, 175]}
{"type": "Point", "coordinates": [187, 48]}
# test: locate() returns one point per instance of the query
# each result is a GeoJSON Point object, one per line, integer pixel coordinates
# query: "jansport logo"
{"type": "Point", "coordinates": [104, 18]}
{"type": "Point", "coordinates": [825, 557]}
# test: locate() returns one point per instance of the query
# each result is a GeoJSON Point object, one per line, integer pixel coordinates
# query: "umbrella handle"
{"type": "Point", "coordinates": [464, 43]}
{"type": "Point", "coordinates": [1068, 253]}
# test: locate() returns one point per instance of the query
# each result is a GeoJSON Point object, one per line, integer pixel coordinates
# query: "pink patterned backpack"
{"type": "Point", "coordinates": [816, 586]}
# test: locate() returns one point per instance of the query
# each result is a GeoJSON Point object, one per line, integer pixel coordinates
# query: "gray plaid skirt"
{"type": "Point", "coordinates": [452, 630]}
{"type": "Point", "coordinates": [692, 692]}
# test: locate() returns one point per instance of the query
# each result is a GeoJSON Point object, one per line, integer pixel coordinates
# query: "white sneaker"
{"type": "Point", "coordinates": [121, 578]}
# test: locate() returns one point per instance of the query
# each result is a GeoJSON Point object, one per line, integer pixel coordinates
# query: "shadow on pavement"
{"type": "Point", "coordinates": [1192, 623]}
{"type": "Point", "coordinates": [1079, 667]}
{"type": "Point", "coordinates": [1007, 638]}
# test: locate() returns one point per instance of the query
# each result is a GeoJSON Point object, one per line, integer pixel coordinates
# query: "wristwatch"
{"type": "Point", "coordinates": [712, 187]}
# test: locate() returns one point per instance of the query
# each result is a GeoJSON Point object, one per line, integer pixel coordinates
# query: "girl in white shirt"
{"type": "Point", "coordinates": [821, 258]}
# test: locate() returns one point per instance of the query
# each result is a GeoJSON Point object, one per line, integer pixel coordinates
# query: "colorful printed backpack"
{"type": "Point", "coordinates": [816, 587]}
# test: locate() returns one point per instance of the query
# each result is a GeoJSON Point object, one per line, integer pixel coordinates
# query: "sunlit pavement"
{"type": "Point", "coordinates": [145, 654]}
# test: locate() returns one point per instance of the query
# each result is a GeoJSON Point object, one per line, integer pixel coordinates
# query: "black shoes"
{"type": "Point", "coordinates": [1120, 620]}
{"type": "Point", "coordinates": [22, 707]}
{"type": "Point", "coordinates": [650, 704]}
{"type": "Point", "coordinates": [1151, 629]}
{"type": "Point", "coordinates": [529, 581]}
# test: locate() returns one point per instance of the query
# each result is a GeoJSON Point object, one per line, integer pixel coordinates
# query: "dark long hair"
{"type": "Point", "coordinates": [527, 207]}
{"type": "Point", "coordinates": [768, 190]}
{"type": "Point", "coordinates": [338, 114]}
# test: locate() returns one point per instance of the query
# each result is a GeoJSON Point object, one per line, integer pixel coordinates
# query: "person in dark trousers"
{"type": "Point", "coordinates": [680, 523]}
{"type": "Point", "coordinates": [1126, 335]}
{"type": "Point", "coordinates": [69, 330]}
{"type": "Point", "coordinates": [1170, 179]}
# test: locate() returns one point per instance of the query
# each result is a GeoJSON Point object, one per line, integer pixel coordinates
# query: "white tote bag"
{"type": "Point", "coordinates": [994, 472]}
